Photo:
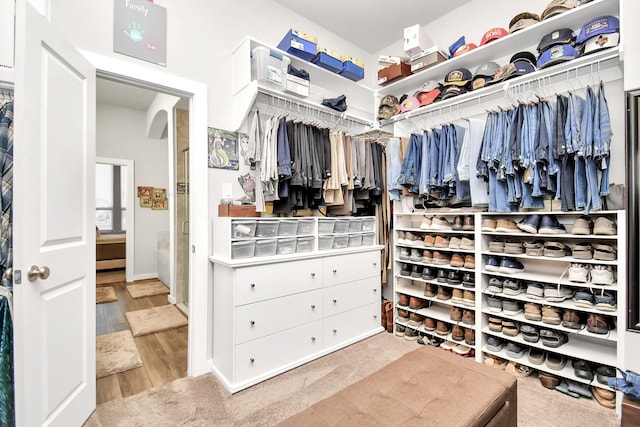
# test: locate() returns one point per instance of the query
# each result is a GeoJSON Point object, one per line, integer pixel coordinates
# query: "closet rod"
{"type": "Point", "coordinates": [501, 90]}
{"type": "Point", "coordinates": [310, 106]}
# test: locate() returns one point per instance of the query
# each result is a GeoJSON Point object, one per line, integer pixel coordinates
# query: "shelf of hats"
{"type": "Point", "coordinates": [302, 71]}
{"type": "Point", "coordinates": [558, 51]}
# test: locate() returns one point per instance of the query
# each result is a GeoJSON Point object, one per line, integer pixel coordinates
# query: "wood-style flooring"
{"type": "Point", "coordinates": [164, 354]}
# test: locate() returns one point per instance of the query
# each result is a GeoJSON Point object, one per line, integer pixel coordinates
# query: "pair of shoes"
{"type": "Point", "coordinates": [552, 338]}
{"type": "Point", "coordinates": [536, 356]}
{"type": "Point", "coordinates": [551, 315]}
{"type": "Point", "coordinates": [606, 398]}
{"type": "Point", "coordinates": [532, 311]}
{"type": "Point", "coordinates": [596, 274]}
{"type": "Point", "coordinates": [553, 293]}
{"type": "Point", "coordinates": [604, 226]}
{"type": "Point", "coordinates": [503, 265]}
{"type": "Point", "coordinates": [599, 324]}
{"type": "Point", "coordinates": [548, 380]}
{"type": "Point", "coordinates": [518, 370]}
{"type": "Point", "coordinates": [530, 333]}
{"type": "Point", "coordinates": [464, 223]}
{"type": "Point", "coordinates": [516, 350]}
{"type": "Point", "coordinates": [494, 361]}
{"type": "Point", "coordinates": [571, 319]}
{"type": "Point", "coordinates": [555, 361]}
{"type": "Point", "coordinates": [542, 224]}
{"type": "Point", "coordinates": [513, 287]}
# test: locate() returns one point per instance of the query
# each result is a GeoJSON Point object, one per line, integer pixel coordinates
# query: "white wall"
{"type": "Point", "coordinates": [120, 133]}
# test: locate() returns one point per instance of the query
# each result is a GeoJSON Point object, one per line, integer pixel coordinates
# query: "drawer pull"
{"type": "Point", "coordinates": [253, 322]}
{"type": "Point", "coordinates": [335, 301]}
{"type": "Point", "coordinates": [375, 264]}
{"type": "Point", "coordinates": [313, 306]}
{"type": "Point", "coordinates": [313, 338]}
{"type": "Point", "coordinates": [375, 289]}
{"type": "Point", "coordinates": [253, 285]}
{"type": "Point", "coordinates": [335, 271]}
{"type": "Point", "coordinates": [313, 274]}
{"type": "Point", "coordinates": [375, 316]}
{"type": "Point", "coordinates": [252, 360]}
{"type": "Point", "coordinates": [335, 331]}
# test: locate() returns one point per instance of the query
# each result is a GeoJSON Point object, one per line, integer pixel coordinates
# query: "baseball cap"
{"type": "Point", "coordinates": [559, 36]}
{"type": "Point", "coordinates": [603, 25]}
{"type": "Point", "coordinates": [484, 74]}
{"type": "Point", "coordinates": [600, 42]}
{"type": "Point", "coordinates": [493, 34]}
{"type": "Point", "coordinates": [457, 77]}
{"type": "Point", "coordinates": [410, 103]}
{"type": "Point", "coordinates": [557, 7]}
{"type": "Point", "coordinates": [524, 55]}
{"type": "Point", "coordinates": [428, 93]}
{"type": "Point", "coordinates": [464, 49]}
{"type": "Point", "coordinates": [388, 107]}
{"type": "Point", "coordinates": [456, 45]}
{"type": "Point", "coordinates": [522, 21]}
{"type": "Point", "coordinates": [452, 91]}
{"type": "Point", "coordinates": [557, 54]}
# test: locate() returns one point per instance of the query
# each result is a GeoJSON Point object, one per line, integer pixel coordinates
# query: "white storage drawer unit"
{"type": "Point", "coordinates": [340, 269]}
{"type": "Point", "coordinates": [347, 296]}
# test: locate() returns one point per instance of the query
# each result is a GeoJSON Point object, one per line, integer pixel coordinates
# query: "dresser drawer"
{"type": "Point", "coordinates": [267, 317]}
{"type": "Point", "coordinates": [346, 326]}
{"type": "Point", "coordinates": [347, 296]}
{"type": "Point", "coordinates": [275, 280]}
{"type": "Point", "coordinates": [347, 268]}
{"type": "Point", "coordinates": [258, 357]}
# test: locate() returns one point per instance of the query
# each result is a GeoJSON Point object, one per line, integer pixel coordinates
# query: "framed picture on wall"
{"type": "Point", "coordinates": [223, 149]}
{"type": "Point", "coordinates": [159, 193]}
{"type": "Point", "coordinates": [144, 191]}
{"type": "Point", "coordinates": [159, 204]}
{"type": "Point", "coordinates": [145, 201]}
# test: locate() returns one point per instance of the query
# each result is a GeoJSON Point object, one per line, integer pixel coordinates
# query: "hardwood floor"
{"type": "Point", "coordinates": [164, 354]}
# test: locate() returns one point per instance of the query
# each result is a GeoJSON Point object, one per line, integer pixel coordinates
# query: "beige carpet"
{"type": "Point", "coordinates": [116, 352]}
{"type": "Point", "coordinates": [148, 289]}
{"type": "Point", "coordinates": [105, 294]}
{"type": "Point", "coordinates": [155, 319]}
{"type": "Point", "coordinates": [203, 401]}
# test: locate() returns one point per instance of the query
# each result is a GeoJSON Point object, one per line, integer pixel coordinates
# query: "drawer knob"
{"type": "Point", "coordinates": [253, 285]}
{"type": "Point", "coordinates": [313, 306]}
{"type": "Point", "coordinates": [335, 301]}
{"type": "Point", "coordinates": [313, 338]}
{"type": "Point", "coordinates": [335, 271]}
{"type": "Point", "coordinates": [375, 264]}
{"type": "Point", "coordinates": [313, 274]}
{"type": "Point", "coordinates": [375, 316]}
{"type": "Point", "coordinates": [335, 331]}
{"type": "Point", "coordinates": [375, 290]}
{"type": "Point", "coordinates": [252, 360]}
{"type": "Point", "coordinates": [253, 322]}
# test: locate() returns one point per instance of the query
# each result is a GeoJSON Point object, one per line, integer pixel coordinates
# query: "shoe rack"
{"type": "Point", "coordinates": [558, 274]}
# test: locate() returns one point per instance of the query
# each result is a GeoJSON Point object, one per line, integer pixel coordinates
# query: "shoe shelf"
{"type": "Point", "coordinates": [438, 266]}
{"type": "Point", "coordinates": [411, 291]}
{"type": "Point", "coordinates": [565, 259]}
{"type": "Point", "coordinates": [437, 312]}
{"type": "Point", "coordinates": [568, 303]}
{"type": "Point", "coordinates": [447, 337]}
{"type": "Point", "coordinates": [433, 231]}
{"type": "Point", "coordinates": [551, 236]}
{"type": "Point", "coordinates": [566, 371]}
{"type": "Point", "coordinates": [549, 278]}
{"type": "Point", "coordinates": [433, 249]}
{"type": "Point", "coordinates": [611, 336]}
{"type": "Point", "coordinates": [576, 347]}
{"type": "Point", "coordinates": [431, 281]}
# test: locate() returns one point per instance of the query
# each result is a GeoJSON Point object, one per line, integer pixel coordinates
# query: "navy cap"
{"type": "Point", "coordinates": [602, 25]}
{"type": "Point", "coordinates": [556, 55]}
{"type": "Point", "coordinates": [523, 66]}
{"type": "Point", "coordinates": [560, 36]}
{"type": "Point", "coordinates": [456, 45]}
{"type": "Point", "coordinates": [457, 77]}
{"type": "Point", "coordinates": [452, 91]}
{"type": "Point", "coordinates": [524, 55]}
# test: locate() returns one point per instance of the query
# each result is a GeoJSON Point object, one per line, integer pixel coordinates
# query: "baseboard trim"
{"type": "Point", "coordinates": [145, 276]}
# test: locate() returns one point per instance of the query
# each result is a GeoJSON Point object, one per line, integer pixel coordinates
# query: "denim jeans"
{"type": "Point", "coordinates": [410, 170]}
{"type": "Point", "coordinates": [463, 190]}
{"type": "Point", "coordinates": [394, 164]}
{"type": "Point", "coordinates": [434, 157]}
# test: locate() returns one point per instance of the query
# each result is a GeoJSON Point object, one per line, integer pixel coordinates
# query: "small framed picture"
{"type": "Point", "coordinates": [144, 191]}
{"type": "Point", "coordinates": [223, 149]}
{"type": "Point", "coordinates": [145, 201]}
{"type": "Point", "coordinates": [159, 193]}
{"type": "Point", "coordinates": [159, 204]}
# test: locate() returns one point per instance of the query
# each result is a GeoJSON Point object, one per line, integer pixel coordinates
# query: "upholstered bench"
{"type": "Point", "coordinates": [428, 386]}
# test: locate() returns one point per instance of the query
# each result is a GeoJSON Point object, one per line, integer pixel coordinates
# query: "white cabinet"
{"type": "Point", "coordinates": [271, 314]}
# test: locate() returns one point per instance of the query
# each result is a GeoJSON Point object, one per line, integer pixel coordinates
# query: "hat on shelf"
{"type": "Point", "coordinates": [455, 45]}
{"type": "Point", "coordinates": [493, 34]}
{"type": "Point", "coordinates": [557, 54]}
{"type": "Point", "coordinates": [524, 55]}
{"type": "Point", "coordinates": [410, 103]}
{"type": "Point", "coordinates": [458, 77]}
{"type": "Point", "coordinates": [464, 49]}
{"type": "Point", "coordinates": [522, 21]}
{"type": "Point", "coordinates": [557, 7]}
{"type": "Point", "coordinates": [452, 91]}
{"type": "Point", "coordinates": [520, 64]}
{"type": "Point", "coordinates": [338, 104]}
{"type": "Point", "coordinates": [484, 74]}
{"type": "Point", "coordinates": [603, 41]}
{"type": "Point", "coordinates": [602, 25]}
{"type": "Point", "coordinates": [560, 36]}
{"type": "Point", "coordinates": [428, 93]}
{"type": "Point", "coordinates": [389, 107]}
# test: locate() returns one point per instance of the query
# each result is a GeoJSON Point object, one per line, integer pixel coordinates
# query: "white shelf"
{"type": "Point", "coordinates": [420, 245]}
{"type": "Point", "coordinates": [432, 231]}
{"type": "Point", "coordinates": [577, 347]}
{"type": "Point", "coordinates": [551, 236]}
{"type": "Point", "coordinates": [568, 303]}
{"type": "Point", "coordinates": [549, 278]}
{"type": "Point", "coordinates": [407, 290]}
{"type": "Point", "coordinates": [445, 266]}
{"type": "Point", "coordinates": [448, 337]}
{"type": "Point", "coordinates": [565, 259]}
{"type": "Point", "coordinates": [523, 40]}
{"type": "Point", "coordinates": [434, 281]}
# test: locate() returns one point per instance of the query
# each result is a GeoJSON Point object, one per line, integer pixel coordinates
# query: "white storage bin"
{"type": "Point", "coordinates": [355, 225]}
{"type": "Point", "coordinates": [243, 249]}
{"type": "Point", "coordinates": [342, 226]}
{"type": "Point", "coordinates": [243, 229]}
{"type": "Point", "coordinates": [287, 227]}
{"type": "Point", "coordinates": [286, 246]}
{"type": "Point", "coordinates": [305, 244]}
{"type": "Point", "coordinates": [265, 247]}
{"type": "Point", "coordinates": [368, 224]}
{"type": "Point", "coordinates": [269, 66]}
{"type": "Point", "coordinates": [340, 242]}
{"type": "Point", "coordinates": [267, 228]}
{"type": "Point", "coordinates": [368, 239]}
{"type": "Point", "coordinates": [355, 240]}
{"type": "Point", "coordinates": [325, 242]}
{"type": "Point", "coordinates": [305, 226]}
{"type": "Point", "coordinates": [326, 226]}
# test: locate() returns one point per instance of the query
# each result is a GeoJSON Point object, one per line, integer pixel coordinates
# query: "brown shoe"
{"type": "Point", "coordinates": [430, 290]}
{"type": "Point", "coordinates": [442, 258]}
{"type": "Point", "coordinates": [468, 223]}
{"type": "Point", "coordinates": [416, 319]}
{"type": "Point", "coordinates": [495, 324]}
{"type": "Point", "coordinates": [457, 333]}
{"type": "Point", "coordinates": [548, 380]}
{"type": "Point", "coordinates": [457, 295]}
{"type": "Point", "coordinates": [443, 328]}
{"type": "Point", "coordinates": [403, 315]}
{"type": "Point", "coordinates": [457, 260]}
{"type": "Point", "coordinates": [489, 224]}
{"type": "Point", "coordinates": [403, 300]}
{"type": "Point", "coordinates": [444, 293]}
{"type": "Point", "coordinates": [389, 315]}
{"type": "Point", "coordinates": [441, 242]}
{"type": "Point", "coordinates": [598, 324]}
{"type": "Point", "coordinates": [604, 397]}
{"type": "Point", "coordinates": [506, 225]}
{"type": "Point", "coordinates": [455, 314]}
{"type": "Point", "coordinates": [429, 324]}
{"type": "Point", "coordinates": [469, 298]}
{"type": "Point", "coordinates": [469, 336]}
{"type": "Point", "coordinates": [469, 261]}
{"type": "Point", "coordinates": [532, 311]}
{"type": "Point", "coordinates": [458, 222]}
{"type": "Point", "coordinates": [429, 240]}
{"type": "Point", "coordinates": [427, 256]}
{"type": "Point", "coordinates": [571, 319]}
{"type": "Point", "coordinates": [468, 317]}
{"type": "Point", "coordinates": [551, 315]}
{"type": "Point", "coordinates": [417, 303]}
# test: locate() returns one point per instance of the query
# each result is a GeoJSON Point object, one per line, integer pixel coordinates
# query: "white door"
{"type": "Point", "coordinates": [53, 210]}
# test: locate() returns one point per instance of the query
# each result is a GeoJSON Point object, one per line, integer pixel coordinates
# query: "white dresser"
{"type": "Point", "coordinates": [273, 313]}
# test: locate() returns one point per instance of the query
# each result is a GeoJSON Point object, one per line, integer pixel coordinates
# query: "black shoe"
{"type": "Point", "coordinates": [442, 276]}
{"type": "Point", "coordinates": [454, 277]}
{"type": "Point", "coordinates": [530, 223]}
{"type": "Point", "coordinates": [469, 280]}
{"type": "Point", "coordinates": [549, 225]}
{"type": "Point", "coordinates": [429, 273]}
{"type": "Point", "coordinates": [417, 271]}
{"type": "Point", "coordinates": [493, 263]}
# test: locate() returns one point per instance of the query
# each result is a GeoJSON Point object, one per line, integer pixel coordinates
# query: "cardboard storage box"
{"type": "Point", "coordinates": [300, 44]}
{"type": "Point", "coordinates": [232, 210]}
{"type": "Point", "coordinates": [426, 59]}
{"type": "Point", "coordinates": [352, 69]}
{"type": "Point", "coordinates": [393, 72]}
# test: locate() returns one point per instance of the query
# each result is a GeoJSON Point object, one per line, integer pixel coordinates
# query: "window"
{"type": "Point", "coordinates": [111, 206]}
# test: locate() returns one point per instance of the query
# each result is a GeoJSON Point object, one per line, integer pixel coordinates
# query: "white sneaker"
{"type": "Point", "coordinates": [602, 275]}
{"type": "Point", "coordinates": [579, 273]}
{"type": "Point", "coordinates": [440, 223]}
{"type": "Point", "coordinates": [426, 223]}
{"type": "Point", "coordinates": [405, 253]}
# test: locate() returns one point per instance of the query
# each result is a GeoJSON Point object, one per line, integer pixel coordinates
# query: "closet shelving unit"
{"type": "Point", "coordinates": [598, 349]}
{"type": "Point", "coordinates": [324, 84]}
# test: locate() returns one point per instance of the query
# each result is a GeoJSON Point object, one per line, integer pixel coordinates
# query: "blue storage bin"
{"type": "Point", "coordinates": [352, 71]}
{"type": "Point", "coordinates": [298, 44]}
{"type": "Point", "coordinates": [328, 62]}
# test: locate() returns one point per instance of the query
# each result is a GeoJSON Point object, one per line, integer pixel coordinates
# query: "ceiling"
{"type": "Point", "coordinates": [371, 24]}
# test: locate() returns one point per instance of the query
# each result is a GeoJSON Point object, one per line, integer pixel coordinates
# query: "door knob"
{"type": "Point", "coordinates": [36, 272]}
{"type": "Point", "coordinates": [8, 274]}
